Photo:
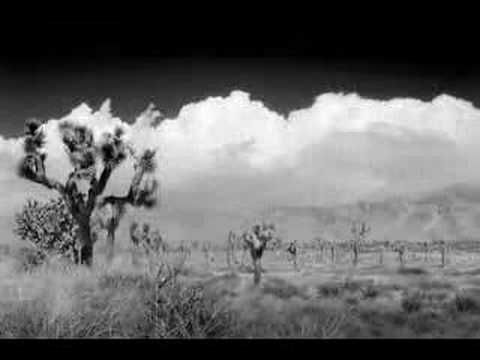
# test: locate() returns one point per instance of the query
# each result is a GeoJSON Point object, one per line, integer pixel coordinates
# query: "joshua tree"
{"type": "Point", "coordinates": [384, 245]}
{"type": "Point", "coordinates": [256, 240]}
{"type": "Point", "coordinates": [400, 249]}
{"type": "Point", "coordinates": [207, 253]}
{"type": "Point", "coordinates": [85, 154]}
{"type": "Point", "coordinates": [320, 244]}
{"type": "Point", "coordinates": [443, 248]}
{"type": "Point", "coordinates": [150, 243]}
{"type": "Point", "coordinates": [136, 239]}
{"type": "Point", "coordinates": [292, 252]}
{"type": "Point", "coordinates": [359, 232]}
{"type": "Point", "coordinates": [231, 245]}
{"type": "Point", "coordinates": [426, 250]}
{"type": "Point", "coordinates": [236, 242]}
{"type": "Point", "coordinates": [333, 251]}
{"type": "Point", "coordinates": [112, 208]}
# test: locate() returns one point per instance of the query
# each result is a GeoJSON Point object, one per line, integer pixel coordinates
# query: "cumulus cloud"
{"type": "Point", "coordinates": [234, 152]}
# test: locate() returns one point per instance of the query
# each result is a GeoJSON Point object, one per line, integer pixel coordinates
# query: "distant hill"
{"type": "Point", "coordinates": [451, 214]}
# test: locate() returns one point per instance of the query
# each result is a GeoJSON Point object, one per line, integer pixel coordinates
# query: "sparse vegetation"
{"type": "Point", "coordinates": [172, 296]}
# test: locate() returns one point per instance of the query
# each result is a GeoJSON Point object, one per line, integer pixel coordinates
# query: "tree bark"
{"type": "Point", "coordinates": [257, 271]}
{"type": "Point", "coordinates": [86, 255]}
{"type": "Point", "coordinates": [86, 243]}
{"type": "Point", "coordinates": [355, 256]}
{"type": "Point", "coordinates": [110, 245]}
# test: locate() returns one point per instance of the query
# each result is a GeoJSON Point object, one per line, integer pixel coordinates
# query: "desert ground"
{"type": "Point", "coordinates": [319, 299]}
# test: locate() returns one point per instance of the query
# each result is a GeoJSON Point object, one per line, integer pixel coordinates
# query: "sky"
{"type": "Point", "coordinates": [280, 117]}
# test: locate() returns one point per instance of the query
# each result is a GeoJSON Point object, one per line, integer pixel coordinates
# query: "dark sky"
{"type": "Point", "coordinates": [47, 68]}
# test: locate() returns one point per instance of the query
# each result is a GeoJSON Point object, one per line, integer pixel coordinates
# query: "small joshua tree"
{"type": "Point", "coordinates": [333, 250]}
{"type": "Point", "coordinates": [320, 245]}
{"type": "Point", "coordinates": [443, 248]}
{"type": "Point", "coordinates": [135, 238]}
{"type": "Point", "coordinates": [292, 252]}
{"type": "Point", "coordinates": [256, 240]}
{"type": "Point", "coordinates": [113, 208]}
{"type": "Point", "coordinates": [208, 253]}
{"type": "Point", "coordinates": [383, 247]}
{"type": "Point", "coordinates": [401, 249]}
{"type": "Point", "coordinates": [149, 243]}
{"type": "Point", "coordinates": [49, 227]}
{"type": "Point", "coordinates": [85, 154]}
{"type": "Point", "coordinates": [426, 250]}
{"type": "Point", "coordinates": [359, 232]}
{"type": "Point", "coordinates": [146, 239]}
{"type": "Point", "coordinates": [231, 245]}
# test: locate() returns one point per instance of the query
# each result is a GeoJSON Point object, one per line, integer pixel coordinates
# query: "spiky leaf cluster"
{"type": "Point", "coordinates": [32, 165]}
{"type": "Point", "coordinates": [150, 241]}
{"type": "Point", "coordinates": [48, 226]}
{"type": "Point", "coordinates": [146, 196]}
{"type": "Point", "coordinates": [112, 147]}
{"type": "Point", "coordinates": [147, 161]}
{"type": "Point", "coordinates": [34, 138]}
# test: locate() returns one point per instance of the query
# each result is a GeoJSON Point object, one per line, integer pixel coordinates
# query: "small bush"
{"type": "Point", "coordinates": [464, 303]}
{"type": "Point", "coordinates": [179, 311]}
{"type": "Point", "coordinates": [282, 289]}
{"type": "Point", "coordinates": [330, 290]}
{"type": "Point", "coordinates": [28, 258]}
{"type": "Point", "coordinates": [412, 271]}
{"type": "Point", "coordinates": [370, 292]}
{"type": "Point", "coordinates": [49, 227]}
{"type": "Point", "coordinates": [412, 302]}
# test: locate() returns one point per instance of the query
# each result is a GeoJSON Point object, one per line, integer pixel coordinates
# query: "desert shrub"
{"type": "Point", "coordinates": [116, 305]}
{"type": "Point", "coordinates": [282, 289]}
{"type": "Point", "coordinates": [180, 311]}
{"type": "Point", "coordinates": [370, 292]}
{"type": "Point", "coordinates": [49, 227]}
{"type": "Point", "coordinates": [412, 302]}
{"type": "Point", "coordinates": [307, 321]}
{"type": "Point", "coordinates": [28, 258]}
{"type": "Point", "coordinates": [412, 271]}
{"type": "Point", "coordinates": [464, 303]}
{"type": "Point", "coordinates": [330, 290]}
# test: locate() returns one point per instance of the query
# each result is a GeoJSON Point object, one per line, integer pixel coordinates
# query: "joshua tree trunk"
{"type": "Point", "coordinates": [332, 253]}
{"type": "Point", "coordinates": [380, 255]}
{"type": "Point", "coordinates": [86, 243]}
{"type": "Point", "coordinates": [321, 254]}
{"type": "Point", "coordinates": [425, 252]}
{"type": "Point", "coordinates": [355, 255]}
{"type": "Point", "coordinates": [75, 255]}
{"type": "Point", "coordinates": [443, 251]}
{"type": "Point", "coordinates": [242, 261]}
{"type": "Point", "coordinates": [257, 271]}
{"type": "Point", "coordinates": [110, 244]}
{"type": "Point", "coordinates": [401, 258]}
{"type": "Point", "coordinates": [229, 262]}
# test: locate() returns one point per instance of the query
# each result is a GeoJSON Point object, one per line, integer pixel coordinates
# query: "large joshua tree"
{"type": "Point", "coordinates": [85, 184]}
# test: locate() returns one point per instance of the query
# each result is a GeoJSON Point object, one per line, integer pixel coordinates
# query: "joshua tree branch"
{"type": "Point", "coordinates": [33, 169]}
{"type": "Point", "coordinates": [103, 180]}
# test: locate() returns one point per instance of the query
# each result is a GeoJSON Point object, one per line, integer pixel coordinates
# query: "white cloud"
{"type": "Point", "coordinates": [233, 151]}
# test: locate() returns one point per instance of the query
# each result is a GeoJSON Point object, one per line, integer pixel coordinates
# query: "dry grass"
{"type": "Point", "coordinates": [57, 300]}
